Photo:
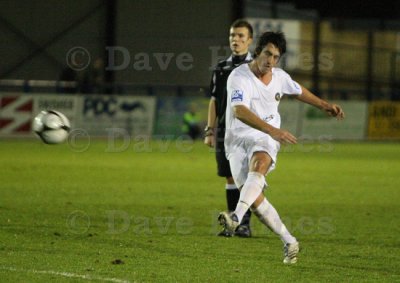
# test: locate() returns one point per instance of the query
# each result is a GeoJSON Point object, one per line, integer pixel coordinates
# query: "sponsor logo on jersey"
{"type": "Point", "coordinates": [268, 118]}
{"type": "Point", "coordinates": [277, 96]}
{"type": "Point", "coordinates": [237, 95]}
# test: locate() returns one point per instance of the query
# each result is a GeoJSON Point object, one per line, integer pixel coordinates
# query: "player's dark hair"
{"type": "Point", "coordinates": [276, 38]}
{"type": "Point", "coordinates": [240, 23]}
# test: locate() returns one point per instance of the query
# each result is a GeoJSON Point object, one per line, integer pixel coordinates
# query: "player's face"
{"type": "Point", "coordinates": [268, 58]}
{"type": "Point", "coordinates": [239, 40]}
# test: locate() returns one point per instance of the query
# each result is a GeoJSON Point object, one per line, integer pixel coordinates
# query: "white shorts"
{"type": "Point", "coordinates": [240, 152]}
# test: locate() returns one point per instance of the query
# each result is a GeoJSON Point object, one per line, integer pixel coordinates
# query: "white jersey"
{"type": "Point", "coordinates": [241, 140]}
{"type": "Point", "coordinates": [244, 88]}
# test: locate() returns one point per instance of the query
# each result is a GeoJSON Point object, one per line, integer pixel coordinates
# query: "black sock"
{"type": "Point", "coordinates": [232, 198]}
{"type": "Point", "coordinates": [246, 218]}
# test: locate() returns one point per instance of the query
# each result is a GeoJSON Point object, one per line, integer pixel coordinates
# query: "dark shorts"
{"type": "Point", "coordinates": [222, 163]}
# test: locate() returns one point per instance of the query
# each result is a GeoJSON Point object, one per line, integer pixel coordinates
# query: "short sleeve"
{"type": "Point", "coordinates": [289, 86]}
{"type": "Point", "coordinates": [238, 90]}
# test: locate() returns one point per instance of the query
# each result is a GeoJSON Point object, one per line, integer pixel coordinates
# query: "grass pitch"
{"type": "Point", "coordinates": [146, 212]}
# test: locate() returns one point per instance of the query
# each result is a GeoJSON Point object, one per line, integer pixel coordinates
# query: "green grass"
{"type": "Point", "coordinates": [153, 206]}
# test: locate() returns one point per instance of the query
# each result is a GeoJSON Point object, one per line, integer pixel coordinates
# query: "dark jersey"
{"type": "Point", "coordinates": [218, 84]}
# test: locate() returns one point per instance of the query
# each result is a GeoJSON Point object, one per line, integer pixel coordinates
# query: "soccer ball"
{"type": "Point", "coordinates": [51, 126]}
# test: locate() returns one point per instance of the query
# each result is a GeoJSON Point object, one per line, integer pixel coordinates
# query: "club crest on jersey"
{"type": "Point", "coordinates": [237, 95]}
{"type": "Point", "coordinates": [277, 96]}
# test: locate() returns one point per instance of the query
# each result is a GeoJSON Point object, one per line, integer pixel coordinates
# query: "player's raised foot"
{"type": "Point", "coordinates": [228, 221]}
{"type": "Point", "coordinates": [243, 231]}
{"type": "Point", "coordinates": [225, 233]}
{"type": "Point", "coordinates": [290, 252]}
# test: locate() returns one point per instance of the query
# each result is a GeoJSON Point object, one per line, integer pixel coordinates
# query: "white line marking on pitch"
{"type": "Point", "coordinates": [64, 274]}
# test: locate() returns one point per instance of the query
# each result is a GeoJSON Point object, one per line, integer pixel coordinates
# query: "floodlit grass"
{"type": "Point", "coordinates": [146, 212]}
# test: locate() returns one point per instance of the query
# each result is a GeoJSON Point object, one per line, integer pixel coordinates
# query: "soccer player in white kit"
{"type": "Point", "coordinates": [253, 134]}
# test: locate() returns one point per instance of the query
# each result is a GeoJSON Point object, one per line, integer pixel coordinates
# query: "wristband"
{"type": "Point", "coordinates": [208, 128]}
{"type": "Point", "coordinates": [208, 131]}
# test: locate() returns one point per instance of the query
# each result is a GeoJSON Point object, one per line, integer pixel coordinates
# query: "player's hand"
{"type": "Point", "coordinates": [209, 141]}
{"type": "Point", "coordinates": [335, 110]}
{"type": "Point", "coordinates": [283, 136]}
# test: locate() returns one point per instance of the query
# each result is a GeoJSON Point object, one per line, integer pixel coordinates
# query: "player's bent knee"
{"type": "Point", "coordinates": [261, 161]}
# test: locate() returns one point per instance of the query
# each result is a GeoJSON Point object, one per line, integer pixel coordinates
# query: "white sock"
{"type": "Point", "coordinates": [270, 217]}
{"type": "Point", "coordinates": [252, 188]}
{"type": "Point", "coordinates": [230, 187]}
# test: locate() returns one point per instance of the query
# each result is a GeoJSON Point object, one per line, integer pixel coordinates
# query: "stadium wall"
{"type": "Point", "coordinates": [101, 116]}
{"type": "Point", "coordinates": [96, 116]}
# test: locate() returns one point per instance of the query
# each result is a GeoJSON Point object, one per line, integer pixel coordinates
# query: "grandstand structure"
{"type": "Point", "coordinates": [364, 45]}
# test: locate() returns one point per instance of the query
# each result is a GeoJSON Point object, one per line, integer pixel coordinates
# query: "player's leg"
{"type": "Point", "coordinates": [232, 198]}
{"type": "Point", "coordinates": [232, 192]}
{"type": "Point", "coordinates": [238, 161]}
{"type": "Point", "coordinates": [254, 184]}
{"type": "Point", "coordinates": [251, 185]}
{"type": "Point", "coordinates": [268, 215]}
{"type": "Point", "coordinates": [223, 170]}
{"type": "Point", "coordinates": [251, 195]}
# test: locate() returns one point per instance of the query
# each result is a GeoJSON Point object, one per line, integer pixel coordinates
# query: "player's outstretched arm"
{"type": "Point", "coordinates": [209, 138]}
{"type": "Point", "coordinates": [245, 115]}
{"type": "Point", "coordinates": [333, 110]}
